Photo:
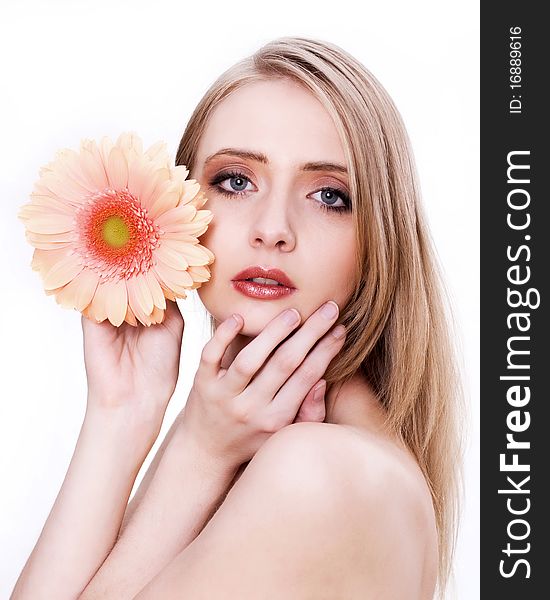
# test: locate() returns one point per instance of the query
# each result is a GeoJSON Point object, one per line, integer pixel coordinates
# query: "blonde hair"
{"type": "Point", "coordinates": [399, 327]}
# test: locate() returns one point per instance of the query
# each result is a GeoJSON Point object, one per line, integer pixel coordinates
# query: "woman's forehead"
{"type": "Point", "coordinates": [279, 119]}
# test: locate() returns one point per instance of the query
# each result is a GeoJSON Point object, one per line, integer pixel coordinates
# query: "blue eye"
{"type": "Point", "coordinates": [331, 195]}
{"type": "Point", "coordinates": [238, 186]}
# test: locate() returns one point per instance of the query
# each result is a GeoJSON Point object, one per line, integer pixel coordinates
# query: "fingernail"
{"type": "Point", "coordinates": [234, 321]}
{"type": "Point", "coordinates": [339, 332]}
{"type": "Point", "coordinates": [319, 391]}
{"type": "Point", "coordinates": [291, 316]}
{"type": "Point", "coordinates": [329, 310]}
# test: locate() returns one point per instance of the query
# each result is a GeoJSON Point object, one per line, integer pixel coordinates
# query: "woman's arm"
{"type": "Point", "coordinates": [185, 490]}
{"type": "Point", "coordinates": [83, 524]}
{"type": "Point", "coordinates": [148, 477]}
{"type": "Point", "coordinates": [221, 429]}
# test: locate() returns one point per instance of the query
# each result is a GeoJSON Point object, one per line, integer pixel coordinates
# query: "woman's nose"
{"type": "Point", "coordinates": [271, 225]}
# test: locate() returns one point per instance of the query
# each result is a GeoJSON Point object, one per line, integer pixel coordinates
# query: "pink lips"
{"type": "Point", "coordinates": [257, 271]}
{"type": "Point", "coordinates": [260, 290]}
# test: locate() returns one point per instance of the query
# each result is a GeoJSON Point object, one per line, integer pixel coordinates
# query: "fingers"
{"type": "Point", "coordinates": [173, 319]}
{"type": "Point", "coordinates": [213, 351]}
{"type": "Point", "coordinates": [287, 401]}
{"type": "Point", "coordinates": [251, 358]}
{"type": "Point", "coordinates": [290, 355]}
{"type": "Point", "coordinates": [313, 407]}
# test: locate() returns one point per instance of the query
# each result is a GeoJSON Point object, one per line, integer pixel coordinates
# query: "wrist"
{"type": "Point", "coordinates": [121, 431]}
{"type": "Point", "coordinates": [185, 443]}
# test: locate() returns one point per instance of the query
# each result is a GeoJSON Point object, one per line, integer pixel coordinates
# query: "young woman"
{"type": "Point", "coordinates": [264, 488]}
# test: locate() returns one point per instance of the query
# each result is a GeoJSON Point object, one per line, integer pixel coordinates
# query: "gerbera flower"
{"type": "Point", "coordinates": [116, 229]}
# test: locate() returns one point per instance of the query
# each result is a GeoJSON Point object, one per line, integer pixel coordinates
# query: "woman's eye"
{"type": "Point", "coordinates": [232, 183]}
{"type": "Point", "coordinates": [332, 198]}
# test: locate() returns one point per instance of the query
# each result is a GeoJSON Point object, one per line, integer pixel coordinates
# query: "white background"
{"type": "Point", "coordinates": [78, 69]}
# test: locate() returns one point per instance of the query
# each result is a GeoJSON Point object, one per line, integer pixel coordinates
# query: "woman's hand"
{"type": "Point", "coordinates": [132, 371]}
{"type": "Point", "coordinates": [231, 412]}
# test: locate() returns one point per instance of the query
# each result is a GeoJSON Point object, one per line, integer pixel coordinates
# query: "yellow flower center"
{"type": "Point", "coordinates": [115, 232]}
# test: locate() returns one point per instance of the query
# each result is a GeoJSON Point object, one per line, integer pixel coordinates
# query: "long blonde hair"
{"type": "Point", "coordinates": [398, 318]}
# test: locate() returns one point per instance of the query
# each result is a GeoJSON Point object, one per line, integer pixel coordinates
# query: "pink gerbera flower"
{"type": "Point", "coordinates": [116, 229]}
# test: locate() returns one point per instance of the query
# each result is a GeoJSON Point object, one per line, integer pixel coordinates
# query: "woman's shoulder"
{"type": "Point", "coordinates": [360, 488]}
{"type": "Point", "coordinates": [369, 466]}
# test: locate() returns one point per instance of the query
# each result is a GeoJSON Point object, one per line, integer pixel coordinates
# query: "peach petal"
{"type": "Point", "coordinates": [197, 255]}
{"type": "Point", "coordinates": [62, 272]}
{"type": "Point", "coordinates": [159, 180]}
{"type": "Point", "coordinates": [200, 274]}
{"type": "Point", "coordinates": [117, 169]}
{"type": "Point", "coordinates": [117, 302]}
{"type": "Point", "coordinates": [130, 318]}
{"type": "Point", "coordinates": [140, 297]}
{"type": "Point", "coordinates": [101, 300]}
{"type": "Point", "coordinates": [131, 145]}
{"type": "Point", "coordinates": [158, 153]}
{"type": "Point", "coordinates": [180, 214]}
{"type": "Point", "coordinates": [182, 228]}
{"type": "Point", "coordinates": [92, 164]}
{"type": "Point", "coordinates": [179, 173]}
{"type": "Point", "coordinates": [50, 245]}
{"type": "Point", "coordinates": [71, 165]}
{"type": "Point", "coordinates": [171, 257]}
{"type": "Point", "coordinates": [166, 201]}
{"type": "Point", "coordinates": [65, 189]}
{"type": "Point", "coordinates": [30, 211]}
{"type": "Point", "coordinates": [199, 200]}
{"type": "Point", "coordinates": [51, 224]}
{"type": "Point", "coordinates": [191, 189]}
{"type": "Point", "coordinates": [139, 176]}
{"type": "Point", "coordinates": [44, 260]}
{"type": "Point", "coordinates": [156, 290]}
{"type": "Point", "coordinates": [105, 146]}
{"type": "Point", "coordinates": [157, 316]}
{"type": "Point", "coordinates": [180, 237]}
{"type": "Point", "coordinates": [52, 203]}
{"type": "Point", "coordinates": [64, 236]}
{"type": "Point", "coordinates": [79, 292]}
{"type": "Point", "coordinates": [173, 279]}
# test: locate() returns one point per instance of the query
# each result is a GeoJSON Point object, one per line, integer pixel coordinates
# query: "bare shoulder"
{"type": "Point", "coordinates": [366, 499]}
{"type": "Point", "coordinates": [321, 511]}
{"type": "Point", "coordinates": [354, 507]}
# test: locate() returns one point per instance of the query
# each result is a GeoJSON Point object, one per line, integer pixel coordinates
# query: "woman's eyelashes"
{"type": "Point", "coordinates": [238, 185]}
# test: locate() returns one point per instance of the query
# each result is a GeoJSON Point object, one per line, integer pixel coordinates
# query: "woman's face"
{"type": "Point", "coordinates": [270, 209]}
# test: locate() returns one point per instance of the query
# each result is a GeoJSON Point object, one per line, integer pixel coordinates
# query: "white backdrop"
{"type": "Point", "coordinates": [75, 69]}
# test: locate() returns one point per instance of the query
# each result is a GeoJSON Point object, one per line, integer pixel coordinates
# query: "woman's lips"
{"type": "Point", "coordinates": [265, 272]}
{"type": "Point", "coordinates": [262, 291]}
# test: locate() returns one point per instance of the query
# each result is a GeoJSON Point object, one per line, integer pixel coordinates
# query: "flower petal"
{"type": "Point", "coordinates": [197, 255]}
{"type": "Point", "coordinates": [117, 302]}
{"type": "Point", "coordinates": [158, 153]}
{"type": "Point", "coordinates": [79, 292]}
{"type": "Point", "coordinates": [180, 214]}
{"type": "Point", "coordinates": [140, 298]}
{"type": "Point", "coordinates": [117, 169]}
{"type": "Point", "coordinates": [190, 190]}
{"type": "Point", "coordinates": [50, 223]}
{"type": "Point", "coordinates": [62, 272]}
{"type": "Point", "coordinates": [44, 260]}
{"type": "Point", "coordinates": [156, 291]}
{"type": "Point", "coordinates": [167, 200]}
{"type": "Point", "coordinates": [92, 164]}
{"type": "Point", "coordinates": [200, 274]}
{"type": "Point", "coordinates": [174, 280]}
{"type": "Point", "coordinates": [171, 257]}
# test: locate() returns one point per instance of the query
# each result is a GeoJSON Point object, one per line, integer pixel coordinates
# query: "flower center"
{"type": "Point", "coordinates": [116, 237]}
{"type": "Point", "coordinates": [115, 231]}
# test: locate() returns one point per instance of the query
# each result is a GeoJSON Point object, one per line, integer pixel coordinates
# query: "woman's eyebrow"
{"type": "Point", "coordinates": [262, 158]}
